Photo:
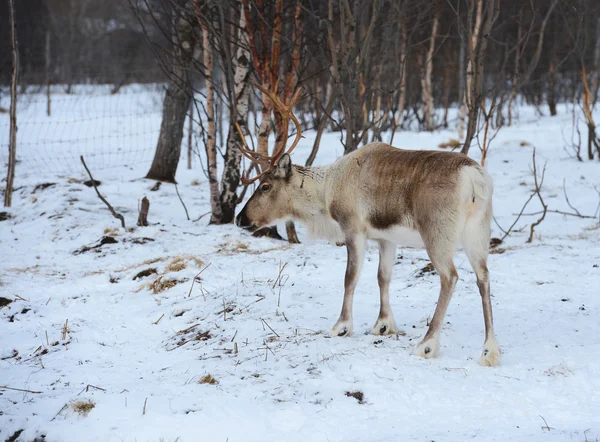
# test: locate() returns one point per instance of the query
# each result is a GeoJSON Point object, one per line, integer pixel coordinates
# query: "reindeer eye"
{"type": "Point", "coordinates": [265, 187]}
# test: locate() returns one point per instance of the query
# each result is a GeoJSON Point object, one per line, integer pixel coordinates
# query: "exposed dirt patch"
{"type": "Point", "coordinates": [145, 273]}
{"type": "Point", "coordinates": [5, 216]}
{"type": "Point", "coordinates": [92, 183]}
{"type": "Point", "coordinates": [4, 301]}
{"type": "Point", "coordinates": [103, 241]}
{"type": "Point", "coordinates": [139, 240]}
{"type": "Point", "coordinates": [42, 186]}
{"type": "Point", "coordinates": [358, 395]}
{"type": "Point", "coordinates": [495, 242]}
{"type": "Point", "coordinates": [427, 270]}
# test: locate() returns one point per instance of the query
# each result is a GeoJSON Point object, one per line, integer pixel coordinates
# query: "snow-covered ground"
{"type": "Point", "coordinates": [106, 356]}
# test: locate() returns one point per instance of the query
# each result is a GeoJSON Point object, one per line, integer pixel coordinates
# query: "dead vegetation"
{"type": "Point", "coordinates": [103, 241]}
{"type": "Point", "coordinates": [163, 281]}
{"type": "Point", "coordinates": [237, 247]}
{"type": "Point", "coordinates": [82, 407]}
{"type": "Point", "coordinates": [161, 284]}
{"type": "Point", "coordinates": [358, 395]}
{"type": "Point", "coordinates": [450, 144]}
{"type": "Point", "coordinates": [559, 370]}
{"type": "Point", "coordinates": [190, 334]}
{"type": "Point", "coordinates": [208, 379]}
{"type": "Point", "coordinates": [145, 273]}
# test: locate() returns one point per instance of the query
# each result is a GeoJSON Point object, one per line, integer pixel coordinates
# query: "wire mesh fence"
{"type": "Point", "coordinates": [110, 129]}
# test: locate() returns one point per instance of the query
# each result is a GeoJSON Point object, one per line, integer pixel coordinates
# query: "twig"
{"type": "Point", "coordinates": [65, 330]}
{"type": "Point", "coordinates": [144, 410]}
{"type": "Point", "coordinates": [547, 427]}
{"type": "Point", "coordinates": [194, 280]}
{"type": "Point", "coordinates": [265, 322]}
{"type": "Point", "coordinates": [538, 188]}
{"type": "Point", "coordinates": [182, 203]}
{"type": "Point", "coordinates": [567, 198]}
{"type": "Point", "coordinates": [4, 387]}
{"type": "Point", "coordinates": [518, 217]}
{"type": "Point", "coordinates": [559, 212]}
{"type": "Point", "coordinates": [202, 216]}
{"type": "Point", "coordinates": [158, 320]}
{"type": "Point", "coordinates": [279, 276]}
{"type": "Point", "coordinates": [114, 213]}
{"type": "Point", "coordinates": [60, 411]}
{"type": "Point", "coordinates": [87, 388]}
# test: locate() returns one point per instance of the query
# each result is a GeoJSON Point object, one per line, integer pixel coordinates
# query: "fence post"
{"type": "Point", "coordinates": [12, 147]}
{"type": "Point", "coordinates": [47, 56]}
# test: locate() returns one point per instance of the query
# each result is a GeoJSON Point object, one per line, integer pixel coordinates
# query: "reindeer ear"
{"type": "Point", "coordinates": [284, 166]}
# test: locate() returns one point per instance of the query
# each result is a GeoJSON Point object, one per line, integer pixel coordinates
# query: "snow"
{"type": "Point", "coordinates": [139, 355]}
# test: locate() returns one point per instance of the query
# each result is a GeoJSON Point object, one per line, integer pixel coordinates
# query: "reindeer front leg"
{"type": "Point", "coordinates": [385, 324]}
{"type": "Point", "coordinates": [355, 246]}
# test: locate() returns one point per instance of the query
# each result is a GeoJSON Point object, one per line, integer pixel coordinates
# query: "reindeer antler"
{"type": "Point", "coordinates": [267, 163]}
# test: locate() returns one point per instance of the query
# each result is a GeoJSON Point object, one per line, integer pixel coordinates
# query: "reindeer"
{"type": "Point", "coordinates": [391, 196]}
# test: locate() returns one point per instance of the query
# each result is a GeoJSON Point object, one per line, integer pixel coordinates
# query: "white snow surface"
{"type": "Point", "coordinates": [139, 356]}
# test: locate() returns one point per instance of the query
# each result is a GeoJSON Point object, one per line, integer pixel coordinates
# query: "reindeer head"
{"type": "Point", "coordinates": [272, 200]}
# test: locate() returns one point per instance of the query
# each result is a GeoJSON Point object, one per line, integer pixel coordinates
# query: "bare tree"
{"type": "Point", "coordinates": [427, 69]}
{"type": "Point", "coordinates": [211, 135]}
{"type": "Point", "coordinates": [12, 147]}
{"type": "Point", "coordinates": [477, 40]}
{"type": "Point", "coordinates": [177, 95]}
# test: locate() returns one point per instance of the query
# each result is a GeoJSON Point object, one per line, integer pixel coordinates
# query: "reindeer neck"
{"type": "Point", "coordinates": [311, 182]}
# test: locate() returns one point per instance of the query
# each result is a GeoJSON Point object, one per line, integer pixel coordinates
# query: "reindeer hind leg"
{"type": "Point", "coordinates": [475, 240]}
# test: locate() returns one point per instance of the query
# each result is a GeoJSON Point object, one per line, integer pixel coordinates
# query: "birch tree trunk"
{"type": "Point", "coordinates": [426, 88]}
{"type": "Point", "coordinates": [230, 179]}
{"type": "Point", "coordinates": [12, 146]}
{"type": "Point", "coordinates": [462, 111]}
{"type": "Point", "coordinates": [513, 88]}
{"type": "Point", "coordinates": [472, 48]}
{"type": "Point", "coordinates": [403, 48]}
{"type": "Point", "coordinates": [476, 59]}
{"type": "Point", "coordinates": [211, 135]}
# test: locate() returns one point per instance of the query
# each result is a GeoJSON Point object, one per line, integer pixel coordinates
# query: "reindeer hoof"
{"type": "Point", "coordinates": [490, 356]}
{"type": "Point", "coordinates": [341, 329]}
{"type": "Point", "coordinates": [384, 327]}
{"type": "Point", "coordinates": [428, 349]}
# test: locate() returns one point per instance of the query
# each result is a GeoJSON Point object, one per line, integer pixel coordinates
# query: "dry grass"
{"type": "Point", "coordinates": [163, 282]}
{"type": "Point", "coordinates": [179, 263]}
{"type": "Point", "coordinates": [236, 247]}
{"type": "Point", "coordinates": [208, 379]}
{"type": "Point", "coordinates": [176, 265]}
{"type": "Point", "coordinates": [82, 407]}
{"type": "Point", "coordinates": [111, 231]}
{"type": "Point", "coordinates": [450, 144]}
{"type": "Point", "coordinates": [195, 183]}
{"type": "Point", "coordinates": [143, 263]}
{"type": "Point", "coordinates": [559, 370]}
